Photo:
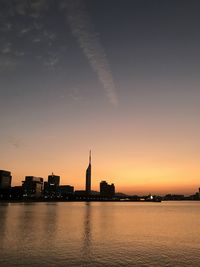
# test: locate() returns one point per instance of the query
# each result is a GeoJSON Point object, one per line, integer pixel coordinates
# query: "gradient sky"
{"type": "Point", "coordinates": [118, 77]}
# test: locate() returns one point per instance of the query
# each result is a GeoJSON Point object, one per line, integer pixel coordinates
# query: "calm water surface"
{"type": "Point", "coordinates": [100, 234]}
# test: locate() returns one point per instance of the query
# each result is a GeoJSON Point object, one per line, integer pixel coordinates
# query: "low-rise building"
{"type": "Point", "coordinates": [65, 191]}
{"type": "Point", "coordinates": [32, 187]}
{"type": "Point", "coordinates": [107, 190]}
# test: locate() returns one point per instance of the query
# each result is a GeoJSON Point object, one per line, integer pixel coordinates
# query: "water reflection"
{"type": "Point", "coordinates": [3, 222]}
{"type": "Point", "coordinates": [99, 234]}
{"type": "Point", "coordinates": [87, 232]}
{"type": "Point", "coordinates": [50, 221]}
{"type": "Point", "coordinates": [27, 223]}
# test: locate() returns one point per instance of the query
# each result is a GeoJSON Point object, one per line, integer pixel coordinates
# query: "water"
{"type": "Point", "coordinates": [100, 234]}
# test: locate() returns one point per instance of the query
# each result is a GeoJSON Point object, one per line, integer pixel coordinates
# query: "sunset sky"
{"type": "Point", "coordinates": [119, 77]}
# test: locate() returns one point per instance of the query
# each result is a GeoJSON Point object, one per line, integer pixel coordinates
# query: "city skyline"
{"type": "Point", "coordinates": [121, 78]}
{"type": "Point", "coordinates": [54, 179]}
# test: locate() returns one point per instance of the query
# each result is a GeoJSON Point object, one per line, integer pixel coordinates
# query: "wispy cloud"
{"type": "Point", "coordinates": [25, 30]}
{"type": "Point", "coordinates": [6, 26]}
{"type": "Point", "coordinates": [7, 62]}
{"type": "Point", "coordinates": [14, 141]}
{"type": "Point", "coordinates": [82, 28]}
{"type": "Point", "coordinates": [36, 40]}
{"type": "Point", "coordinates": [9, 56]}
{"type": "Point", "coordinates": [32, 8]}
{"type": "Point", "coordinates": [76, 95]}
{"type": "Point", "coordinates": [21, 7]}
{"type": "Point", "coordinates": [52, 60]}
{"type": "Point", "coordinates": [6, 48]}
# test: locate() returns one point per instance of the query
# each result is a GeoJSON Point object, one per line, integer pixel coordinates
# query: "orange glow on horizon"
{"type": "Point", "coordinates": [161, 163]}
{"type": "Point", "coordinates": [139, 179]}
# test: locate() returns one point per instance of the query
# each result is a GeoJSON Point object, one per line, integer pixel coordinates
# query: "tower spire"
{"type": "Point", "coordinates": [88, 176]}
{"type": "Point", "coordinates": [90, 157]}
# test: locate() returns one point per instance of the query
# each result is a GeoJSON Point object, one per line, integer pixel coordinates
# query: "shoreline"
{"type": "Point", "coordinates": [121, 201]}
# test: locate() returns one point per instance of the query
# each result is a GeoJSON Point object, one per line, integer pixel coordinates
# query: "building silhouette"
{"type": "Point", "coordinates": [107, 190]}
{"type": "Point", "coordinates": [5, 179]}
{"type": "Point", "coordinates": [66, 191]}
{"type": "Point", "coordinates": [17, 192]}
{"type": "Point", "coordinates": [54, 180]}
{"type": "Point", "coordinates": [5, 184]}
{"type": "Point", "coordinates": [197, 195]}
{"type": "Point", "coordinates": [51, 188]}
{"type": "Point", "coordinates": [32, 187]}
{"type": "Point", "coordinates": [88, 177]}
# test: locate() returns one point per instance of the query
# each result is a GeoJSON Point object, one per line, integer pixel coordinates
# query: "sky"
{"type": "Point", "coordinates": [118, 77]}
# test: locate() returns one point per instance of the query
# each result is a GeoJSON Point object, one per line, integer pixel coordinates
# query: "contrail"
{"type": "Point", "coordinates": [87, 38]}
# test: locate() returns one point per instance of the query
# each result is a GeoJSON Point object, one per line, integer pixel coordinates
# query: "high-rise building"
{"type": "Point", "coordinates": [54, 180]}
{"type": "Point", "coordinates": [88, 177]}
{"type": "Point", "coordinates": [5, 179]}
{"type": "Point", "coordinates": [5, 184]}
{"type": "Point", "coordinates": [107, 190]}
{"type": "Point", "coordinates": [32, 187]}
{"type": "Point", "coordinates": [52, 186]}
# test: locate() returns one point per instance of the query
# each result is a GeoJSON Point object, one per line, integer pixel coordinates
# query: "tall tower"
{"type": "Point", "coordinates": [88, 177]}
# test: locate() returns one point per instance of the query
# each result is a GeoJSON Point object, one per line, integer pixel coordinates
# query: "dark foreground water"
{"type": "Point", "coordinates": [100, 234]}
